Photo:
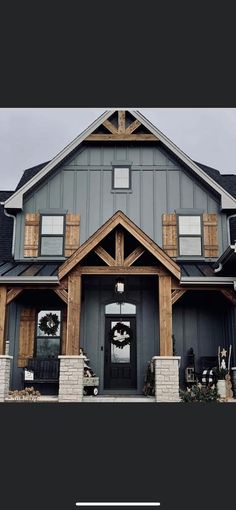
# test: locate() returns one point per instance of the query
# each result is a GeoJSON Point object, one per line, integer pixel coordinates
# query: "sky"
{"type": "Point", "coordinates": [29, 136]}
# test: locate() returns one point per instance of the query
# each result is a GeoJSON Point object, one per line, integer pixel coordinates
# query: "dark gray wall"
{"type": "Point", "coordinates": [159, 184]}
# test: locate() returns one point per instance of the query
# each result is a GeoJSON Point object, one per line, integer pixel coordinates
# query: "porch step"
{"type": "Point", "coordinates": [119, 398]}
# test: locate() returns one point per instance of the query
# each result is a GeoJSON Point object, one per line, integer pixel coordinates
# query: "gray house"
{"type": "Point", "coordinates": [122, 246]}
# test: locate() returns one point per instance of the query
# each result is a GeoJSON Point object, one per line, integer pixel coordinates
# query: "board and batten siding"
{"type": "Point", "coordinates": [84, 185]}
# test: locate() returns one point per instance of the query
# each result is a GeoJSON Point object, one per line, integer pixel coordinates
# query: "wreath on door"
{"type": "Point", "coordinates": [121, 335]}
{"type": "Point", "coordinates": [49, 324]}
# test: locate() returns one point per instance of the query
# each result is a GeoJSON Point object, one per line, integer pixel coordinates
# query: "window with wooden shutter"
{"type": "Point", "coordinates": [72, 239]}
{"type": "Point", "coordinates": [26, 335]}
{"type": "Point", "coordinates": [210, 234]}
{"type": "Point", "coordinates": [190, 235]}
{"type": "Point", "coordinates": [51, 235]}
{"type": "Point", "coordinates": [169, 234]}
{"type": "Point", "coordinates": [31, 240]}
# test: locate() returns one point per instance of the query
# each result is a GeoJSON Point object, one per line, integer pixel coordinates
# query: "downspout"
{"type": "Point", "coordinates": [14, 228]}
{"type": "Point", "coordinates": [217, 269]}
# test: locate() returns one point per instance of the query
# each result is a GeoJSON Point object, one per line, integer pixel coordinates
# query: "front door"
{"type": "Point", "coordinates": [120, 367]}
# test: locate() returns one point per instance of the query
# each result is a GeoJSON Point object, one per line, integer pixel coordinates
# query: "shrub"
{"type": "Point", "coordinates": [199, 393]}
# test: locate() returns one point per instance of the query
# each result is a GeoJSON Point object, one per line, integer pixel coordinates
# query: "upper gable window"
{"type": "Point", "coordinates": [190, 235]}
{"type": "Point", "coordinates": [52, 235]}
{"type": "Point", "coordinates": [121, 177]}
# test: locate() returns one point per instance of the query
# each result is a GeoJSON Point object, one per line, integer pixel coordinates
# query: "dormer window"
{"type": "Point", "coordinates": [190, 235]}
{"type": "Point", "coordinates": [121, 178]}
{"type": "Point", "coordinates": [52, 235]}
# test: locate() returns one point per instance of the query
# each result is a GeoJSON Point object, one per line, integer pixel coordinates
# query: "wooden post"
{"type": "Point", "coordinates": [119, 248]}
{"type": "Point", "coordinates": [165, 316]}
{"type": "Point", "coordinates": [73, 315]}
{"type": "Point", "coordinates": [3, 306]}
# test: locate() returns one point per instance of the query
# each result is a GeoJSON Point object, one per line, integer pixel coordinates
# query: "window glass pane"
{"type": "Point", "coordinates": [52, 246]}
{"type": "Point", "coordinates": [52, 224]}
{"type": "Point", "coordinates": [120, 308]}
{"type": "Point", "coordinates": [121, 177]}
{"type": "Point", "coordinates": [190, 225]}
{"type": "Point", "coordinates": [48, 347]}
{"type": "Point", "coordinates": [190, 246]}
{"type": "Point", "coordinates": [120, 355]}
{"type": "Point", "coordinates": [47, 313]}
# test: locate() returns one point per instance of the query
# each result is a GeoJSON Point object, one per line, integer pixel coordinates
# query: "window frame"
{"type": "Point", "coordinates": [199, 215]}
{"type": "Point", "coordinates": [52, 235]}
{"type": "Point", "coordinates": [37, 337]}
{"type": "Point", "coordinates": [114, 166]}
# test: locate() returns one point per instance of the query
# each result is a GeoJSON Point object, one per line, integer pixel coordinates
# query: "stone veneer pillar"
{"type": "Point", "coordinates": [71, 375]}
{"type": "Point", "coordinates": [166, 378]}
{"type": "Point", "coordinates": [5, 370]}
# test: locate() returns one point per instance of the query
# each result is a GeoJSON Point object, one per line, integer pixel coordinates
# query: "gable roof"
{"type": "Point", "coordinates": [6, 229]}
{"type": "Point", "coordinates": [119, 218]}
{"type": "Point", "coordinates": [16, 200]}
{"type": "Point", "coordinates": [29, 173]}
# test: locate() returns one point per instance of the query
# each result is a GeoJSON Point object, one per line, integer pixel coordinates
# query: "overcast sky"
{"type": "Point", "coordinates": [29, 136]}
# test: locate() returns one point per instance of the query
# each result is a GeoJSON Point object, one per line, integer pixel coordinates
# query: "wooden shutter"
{"type": "Point", "coordinates": [169, 234]}
{"type": "Point", "coordinates": [210, 235]}
{"type": "Point", "coordinates": [72, 233]}
{"type": "Point", "coordinates": [26, 336]}
{"type": "Point", "coordinates": [63, 331]}
{"type": "Point", "coordinates": [31, 242]}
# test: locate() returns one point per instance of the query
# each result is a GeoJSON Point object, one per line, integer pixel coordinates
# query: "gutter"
{"type": "Point", "coordinates": [29, 280]}
{"type": "Point", "coordinates": [210, 280]}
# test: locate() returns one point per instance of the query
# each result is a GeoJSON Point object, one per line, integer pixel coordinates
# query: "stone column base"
{"type": "Point", "coordinates": [71, 385]}
{"type": "Point", "coordinates": [5, 370]}
{"type": "Point", "coordinates": [166, 378]}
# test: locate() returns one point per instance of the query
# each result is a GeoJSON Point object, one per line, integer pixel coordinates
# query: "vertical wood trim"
{"type": "Point", "coordinates": [169, 234]}
{"type": "Point", "coordinates": [73, 317]}
{"type": "Point", "coordinates": [26, 335]}
{"type": "Point", "coordinates": [210, 235]}
{"type": "Point", "coordinates": [31, 239]}
{"type": "Point", "coordinates": [165, 316]}
{"type": "Point", "coordinates": [120, 248]}
{"type": "Point", "coordinates": [64, 331]}
{"type": "Point", "coordinates": [72, 234]}
{"type": "Point", "coordinates": [121, 121]}
{"type": "Point", "coordinates": [3, 304]}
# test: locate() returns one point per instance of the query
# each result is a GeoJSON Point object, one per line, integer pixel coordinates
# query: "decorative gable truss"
{"type": "Point", "coordinates": [122, 126]}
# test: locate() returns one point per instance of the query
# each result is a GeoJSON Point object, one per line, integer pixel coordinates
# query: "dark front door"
{"type": "Point", "coordinates": [120, 368]}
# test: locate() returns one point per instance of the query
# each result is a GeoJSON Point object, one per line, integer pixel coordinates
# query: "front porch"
{"type": "Point", "coordinates": [165, 315]}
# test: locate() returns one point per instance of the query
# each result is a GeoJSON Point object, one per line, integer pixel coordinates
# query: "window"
{"type": "Point", "coordinates": [190, 235]}
{"type": "Point", "coordinates": [52, 235]}
{"type": "Point", "coordinates": [121, 177]}
{"type": "Point", "coordinates": [48, 334]}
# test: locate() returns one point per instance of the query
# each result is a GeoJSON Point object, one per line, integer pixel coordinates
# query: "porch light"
{"type": "Point", "coordinates": [120, 286]}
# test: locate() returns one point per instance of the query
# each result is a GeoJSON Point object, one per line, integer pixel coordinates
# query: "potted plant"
{"type": "Point", "coordinates": [223, 372]}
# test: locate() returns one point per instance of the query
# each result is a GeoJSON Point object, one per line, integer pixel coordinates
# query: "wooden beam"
{"type": "Point", "coordinates": [230, 295]}
{"type": "Point", "coordinates": [132, 127]}
{"type": "Point", "coordinates": [63, 294]}
{"type": "Point", "coordinates": [134, 256]}
{"type": "Point", "coordinates": [119, 247]}
{"type": "Point", "coordinates": [106, 257]}
{"type": "Point", "coordinates": [165, 316]}
{"type": "Point", "coordinates": [3, 306]}
{"type": "Point", "coordinates": [176, 295]}
{"type": "Point", "coordinates": [73, 315]}
{"type": "Point", "coordinates": [121, 137]}
{"type": "Point", "coordinates": [121, 121]}
{"type": "Point", "coordinates": [13, 293]}
{"type": "Point", "coordinates": [110, 127]}
{"type": "Point", "coordinates": [119, 270]}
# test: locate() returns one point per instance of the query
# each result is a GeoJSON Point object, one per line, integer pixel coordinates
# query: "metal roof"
{"type": "Point", "coordinates": [27, 269]}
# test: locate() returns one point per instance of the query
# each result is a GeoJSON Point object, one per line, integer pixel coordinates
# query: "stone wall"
{"type": "Point", "coordinates": [166, 378]}
{"type": "Point", "coordinates": [71, 379]}
{"type": "Point", "coordinates": [5, 370]}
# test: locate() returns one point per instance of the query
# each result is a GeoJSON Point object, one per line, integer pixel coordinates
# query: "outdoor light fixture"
{"type": "Point", "coordinates": [120, 286]}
